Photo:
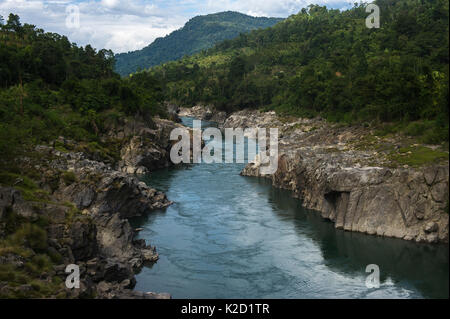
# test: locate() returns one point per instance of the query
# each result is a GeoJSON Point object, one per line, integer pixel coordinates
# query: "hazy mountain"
{"type": "Point", "coordinates": [199, 33]}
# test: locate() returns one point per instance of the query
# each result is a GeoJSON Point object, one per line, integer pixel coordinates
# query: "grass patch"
{"type": "Point", "coordinates": [74, 214]}
{"type": "Point", "coordinates": [367, 142]}
{"type": "Point", "coordinates": [389, 129]}
{"type": "Point", "coordinates": [37, 195]}
{"type": "Point", "coordinates": [109, 153]}
{"type": "Point", "coordinates": [29, 235]}
{"type": "Point", "coordinates": [28, 243]}
{"type": "Point", "coordinates": [69, 177]}
{"type": "Point", "coordinates": [12, 179]}
{"type": "Point", "coordinates": [62, 147]}
{"type": "Point", "coordinates": [427, 132]}
{"type": "Point", "coordinates": [27, 187]}
{"type": "Point", "coordinates": [418, 156]}
{"type": "Point", "coordinates": [21, 284]}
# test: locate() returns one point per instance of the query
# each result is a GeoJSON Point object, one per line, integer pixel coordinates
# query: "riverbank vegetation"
{"type": "Point", "coordinates": [327, 62]}
{"type": "Point", "coordinates": [50, 87]}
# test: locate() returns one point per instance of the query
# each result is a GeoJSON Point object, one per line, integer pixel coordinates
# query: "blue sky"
{"type": "Point", "coordinates": [130, 25]}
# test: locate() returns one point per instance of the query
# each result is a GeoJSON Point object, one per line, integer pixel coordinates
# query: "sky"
{"type": "Point", "coordinates": [124, 26]}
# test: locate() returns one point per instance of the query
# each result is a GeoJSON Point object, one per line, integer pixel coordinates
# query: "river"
{"type": "Point", "coordinates": [229, 236]}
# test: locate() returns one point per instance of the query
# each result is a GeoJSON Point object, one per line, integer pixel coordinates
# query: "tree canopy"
{"type": "Point", "coordinates": [327, 62]}
{"type": "Point", "coordinates": [51, 87]}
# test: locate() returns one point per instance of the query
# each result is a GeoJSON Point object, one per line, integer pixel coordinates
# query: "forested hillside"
{"type": "Point", "coordinates": [199, 33]}
{"type": "Point", "coordinates": [51, 87]}
{"type": "Point", "coordinates": [60, 103]}
{"type": "Point", "coordinates": [327, 62]}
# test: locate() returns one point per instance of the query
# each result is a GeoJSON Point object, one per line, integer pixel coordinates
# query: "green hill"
{"type": "Point", "coordinates": [199, 33]}
{"type": "Point", "coordinates": [327, 62]}
{"type": "Point", "coordinates": [50, 87]}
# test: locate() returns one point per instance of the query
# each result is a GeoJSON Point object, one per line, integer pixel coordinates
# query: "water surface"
{"type": "Point", "coordinates": [229, 236]}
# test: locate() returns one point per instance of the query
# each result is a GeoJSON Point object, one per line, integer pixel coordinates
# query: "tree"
{"type": "Point", "coordinates": [13, 23]}
{"type": "Point", "coordinates": [327, 62]}
{"type": "Point", "coordinates": [50, 87]}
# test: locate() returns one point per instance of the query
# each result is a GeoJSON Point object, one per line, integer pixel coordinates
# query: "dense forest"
{"type": "Point", "coordinates": [51, 87]}
{"type": "Point", "coordinates": [327, 62]}
{"type": "Point", "coordinates": [199, 33]}
{"type": "Point", "coordinates": [317, 62]}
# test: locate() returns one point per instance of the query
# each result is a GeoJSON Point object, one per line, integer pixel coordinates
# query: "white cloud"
{"type": "Point", "coordinates": [130, 25]}
{"type": "Point", "coordinates": [270, 8]}
{"type": "Point", "coordinates": [110, 3]}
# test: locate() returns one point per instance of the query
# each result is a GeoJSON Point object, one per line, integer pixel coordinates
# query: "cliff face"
{"type": "Point", "coordinates": [388, 202]}
{"type": "Point", "coordinates": [356, 179]}
{"type": "Point", "coordinates": [86, 202]}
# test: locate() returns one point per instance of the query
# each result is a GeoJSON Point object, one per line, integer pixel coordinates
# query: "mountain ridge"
{"type": "Point", "coordinates": [199, 33]}
{"type": "Point", "coordinates": [327, 62]}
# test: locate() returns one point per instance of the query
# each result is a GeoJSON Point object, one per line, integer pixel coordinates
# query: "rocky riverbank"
{"type": "Point", "coordinates": [78, 205]}
{"type": "Point", "coordinates": [206, 113]}
{"type": "Point", "coordinates": [362, 181]}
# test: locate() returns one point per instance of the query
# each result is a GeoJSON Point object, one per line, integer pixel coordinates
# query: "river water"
{"type": "Point", "coordinates": [229, 236]}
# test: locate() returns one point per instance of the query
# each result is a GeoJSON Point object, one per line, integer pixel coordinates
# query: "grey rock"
{"type": "Point", "coordinates": [318, 163]}
{"type": "Point", "coordinates": [11, 198]}
{"type": "Point", "coordinates": [97, 235]}
{"type": "Point", "coordinates": [431, 227]}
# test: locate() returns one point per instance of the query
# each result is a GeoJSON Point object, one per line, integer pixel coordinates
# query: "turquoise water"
{"type": "Point", "coordinates": [229, 236]}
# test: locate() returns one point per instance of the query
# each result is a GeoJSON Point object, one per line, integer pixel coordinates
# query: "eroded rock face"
{"type": "Point", "coordinates": [252, 119]}
{"type": "Point", "coordinates": [10, 198]}
{"type": "Point", "coordinates": [96, 234]}
{"type": "Point", "coordinates": [109, 197]}
{"type": "Point", "coordinates": [318, 163]}
{"type": "Point", "coordinates": [147, 149]}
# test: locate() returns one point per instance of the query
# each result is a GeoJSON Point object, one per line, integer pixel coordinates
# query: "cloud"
{"type": "Point", "coordinates": [123, 25]}
{"type": "Point", "coordinates": [270, 8]}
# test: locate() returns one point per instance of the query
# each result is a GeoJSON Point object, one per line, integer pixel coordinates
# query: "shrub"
{"type": "Point", "coordinates": [30, 235]}
{"type": "Point", "coordinates": [415, 128]}
{"type": "Point", "coordinates": [69, 177]}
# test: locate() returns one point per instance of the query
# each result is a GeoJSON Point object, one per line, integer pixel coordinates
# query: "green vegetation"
{"type": "Point", "coordinates": [69, 177]}
{"type": "Point", "coordinates": [418, 155]}
{"type": "Point", "coordinates": [400, 150]}
{"type": "Point", "coordinates": [28, 243]}
{"type": "Point", "coordinates": [425, 131]}
{"type": "Point", "coordinates": [199, 33]}
{"type": "Point", "coordinates": [326, 62]}
{"type": "Point", "coordinates": [25, 185]}
{"type": "Point", "coordinates": [73, 214]}
{"type": "Point", "coordinates": [49, 87]}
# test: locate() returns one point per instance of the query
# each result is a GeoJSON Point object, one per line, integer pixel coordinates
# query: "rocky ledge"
{"type": "Point", "coordinates": [82, 201]}
{"type": "Point", "coordinates": [356, 179]}
{"type": "Point", "coordinates": [206, 113]}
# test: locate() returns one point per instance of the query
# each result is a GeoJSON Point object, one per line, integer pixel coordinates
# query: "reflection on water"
{"type": "Point", "coordinates": [228, 236]}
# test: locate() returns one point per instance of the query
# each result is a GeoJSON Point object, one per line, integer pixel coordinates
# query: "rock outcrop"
{"type": "Point", "coordinates": [86, 203]}
{"type": "Point", "coordinates": [106, 254]}
{"type": "Point", "coordinates": [358, 188]}
{"type": "Point", "coordinates": [144, 146]}
{"type": "Point", "coordinates": [207, 113]}
{"type": "Point", "coordinates": [172, 111]}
